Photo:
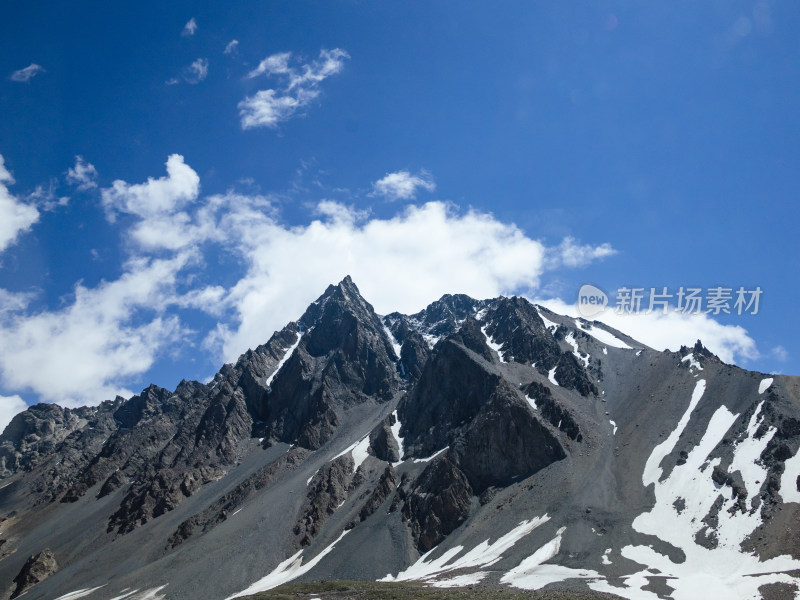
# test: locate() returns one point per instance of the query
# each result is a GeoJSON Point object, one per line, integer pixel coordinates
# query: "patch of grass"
{"type": "Point", "coordinates": [369, 590]}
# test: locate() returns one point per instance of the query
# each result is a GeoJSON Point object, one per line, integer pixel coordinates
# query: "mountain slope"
{"type": "Point", "coordinates": [478, 441]}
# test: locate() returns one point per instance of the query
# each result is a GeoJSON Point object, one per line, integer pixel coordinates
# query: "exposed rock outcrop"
{"type": "Point", "coordinates": [35, 570]}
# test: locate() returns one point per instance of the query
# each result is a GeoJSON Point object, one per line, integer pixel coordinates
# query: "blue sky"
{"type": "Point", "coordinates": [486, 148]}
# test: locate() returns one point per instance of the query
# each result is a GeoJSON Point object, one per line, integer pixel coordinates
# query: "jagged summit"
{"type": "Point", "coordinates": [516, 446]}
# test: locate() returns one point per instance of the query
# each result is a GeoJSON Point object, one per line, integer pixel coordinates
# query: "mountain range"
{"type": "Point", "coordinates": [475, 443]}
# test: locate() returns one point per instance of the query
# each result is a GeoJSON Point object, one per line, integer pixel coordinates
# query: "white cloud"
{"type": "Point", "coordinates": [438, 248]}
{"type": "Point", "coordinates": [46, 198]}
{"type": "Point", "coordinates": [12, 302]}
{"type": "Point", "coordinates": [402, 185]}
{"type": "Point", "coordinates": [275, 64]}
{"type": "Point", "coordinates": [157, 197]}
{"type": "Point", "coordinates": [27, 73]}
{"type": "Point", "coordinates": [10, 406]}
{"type": "Point", "coordinates": [780, 353]}
{"type": "Point", "coordinates": [83, 175]}
{"type": "Point", "coordinates": [571, 254]}
{"type": "Point", "coordinates": [83, 353]}
{"type": "Point", "coordinates": [670, 331]}
{"type": "Point", "coordinates": [15, 217]}
{"type": "Point", "coordinates": [231, 46]}
{"type": "Point", "coordinates": [189, 28]}
{"type": "Point", "coordinates": [267, 108]}
{"type": "Point", "coordinates": [197, 71]}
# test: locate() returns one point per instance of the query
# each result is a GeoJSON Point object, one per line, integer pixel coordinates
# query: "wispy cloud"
{"type": "Point", "coordinates": [780, 353]}
{"type": "Point", "coordinates": [189, 28]}
{"type": "Point", "coordinates": [197, 71]}
{"type": "Point", "coordinates": [402, 185]}
{"type": "Point", "coordinates": [267, 108]}
{"type": "Point", "coordinates": [231, 47]}
{"type": "Point", "coordinates": [15, 217]}
{"type": "Point", "coordinates": [27, 73]}
{"type": "Point", "coordinates": [83, 175]}
{"type": "Point", "coordinates": [45, 197]}
{"type": "Point", "coordinates": [571, 254]}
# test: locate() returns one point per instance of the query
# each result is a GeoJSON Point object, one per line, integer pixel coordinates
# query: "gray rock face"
{"type": "Point", "coordinates": [35, 435]}
{"type": "Point", "coordinates": [505, 442]}
{"type": "Point", "coordinates": [382, 442]}
{"type": "Point", "coordinates": [386, 485]}
{"type": "Point", "coordinates": [326, 491]}
{"type": "Point", "coordinates": [451, 391]}
{"type": "Point", "coordinates": [343, 360]}
{"type": "Point", "coordinates": [35, 570]}
{"type": "Point", "coordinates": [438, 503]}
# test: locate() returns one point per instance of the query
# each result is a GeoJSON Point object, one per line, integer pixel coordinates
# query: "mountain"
{"type": "Point", "coordinates": [477, 442]}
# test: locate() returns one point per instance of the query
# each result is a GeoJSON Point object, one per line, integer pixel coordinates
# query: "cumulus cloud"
{"type": "Point", "coordinates": [402, 185]}
{"type": "Point", "coordinates": [156, 197]}
{"type": "Point", "coordinates": [15, 216]}
{"type": "Point", "coordinates": [28, 73]}
{"type": "Point", "coordinates": [83, 175]}
{"type": "Point", "coordinates": [267, 108]}
{"type": "Point", "coordinates": [672, 330]}
{"type": "Point", "coordinates": [84, 352]}
{"type": "Point", "coordinates": [10, 406]}
{"type": "Point", "coordinates": [189, 28]}
{"type": "Point", "coordinates": [231, 46]}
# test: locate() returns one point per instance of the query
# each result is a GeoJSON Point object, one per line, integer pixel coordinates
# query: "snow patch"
{"type": "Point", "coordinates": [603, 336]}
{"type": "Point", "coordinates": [393, 341]}
{"type": "Point", "coordinates": [652, 469]}
{"type": "Point", "coordinates": [727, 570]}
{"type": "Point", "coordinates": [605, 350]}
{"type": "Point", "coordinates": [604, 559]}
{"type": "Point", "coordinates": [693, 364]}
{"type": "Point", "coordinates": [791, 472]}
{"type": "Point", "coordinates": [288, 570]}
{"type": "Point", "coordinates": [358, 450]}
{"type": "Point", "coordinates": [79, 593]}
{"type": "Point", "coordinates": [482, 555]}
{"type": "Point", "coordinates": [551, 326]}
{"type": "Point", "coordinates": [432, 456]}
{"type": "Point", "coordinates": [532, 402]}
{"type": "Point", "coordinates": [532, 573]}
{"type": "Point", "coordinates": [764, 385]}
{"type": "Point", "coordinates": [552, 375]}
{"type": "Point", "coordinates": [308, 481]}
{"type": "Point", "coordinates": [491, 343]}
{"type": "Point", "coordinates": [614, 425]}
{"type": "Point", "coordinates": [570, 339]}
{"type": "Point", "coordinates": [151, 594]}
{"type": "Point", "coordinates": [283, 360]}
{"type": "Point", "coordinates": [396, 433]}
{"type": "Point", "coordinates": [124, 595]}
